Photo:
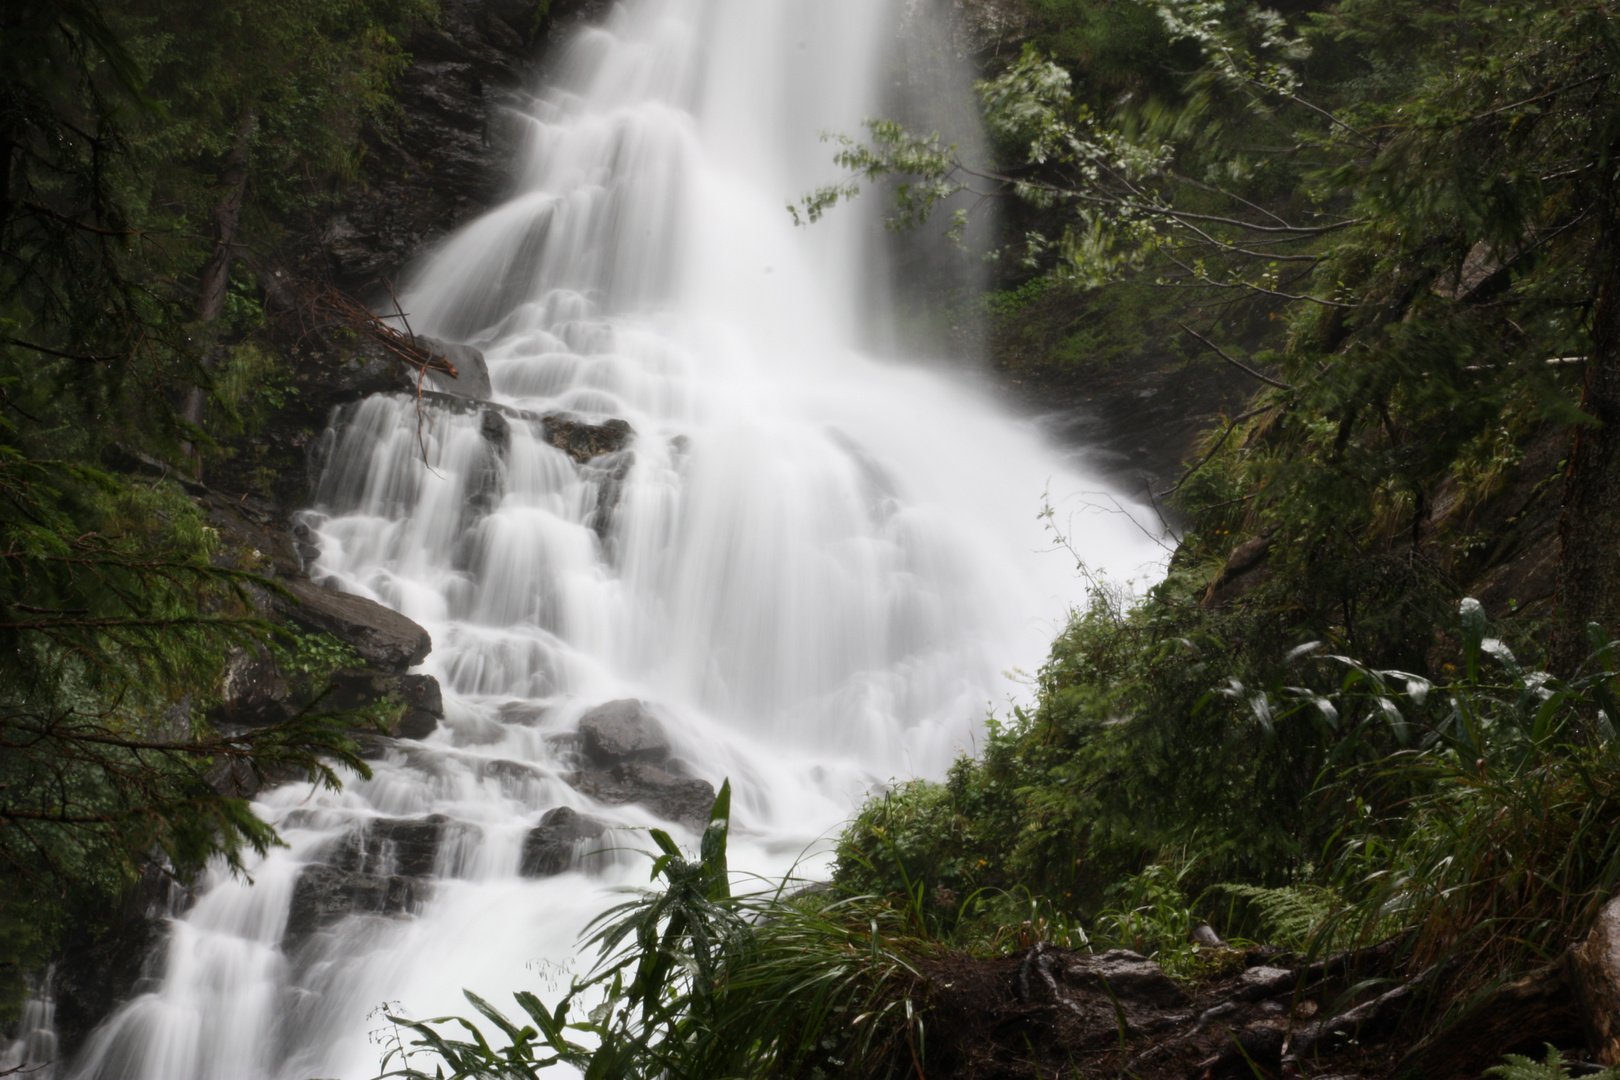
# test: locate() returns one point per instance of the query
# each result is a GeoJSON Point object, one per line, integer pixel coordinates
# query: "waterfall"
{"type": "Point", "coordinates": [813, 567]}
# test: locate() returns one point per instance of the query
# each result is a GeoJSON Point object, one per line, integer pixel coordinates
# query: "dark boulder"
{"type": "Point", "coordinates": [549, 848]}
{"type": "Point", "coordinates": [515, 778]}
{"type": "Point", "coordinates": [380, 869]}
{"type": "Point", "coordinates": [1245, 570]}
{"type": "Point", "coordinates": [676, 798]}
{"type": "Point", "coordinates": [622, 731]}
{"type": "Point", "coordinates": [405, 846]}
{"type": "Point", "coordinates": [383, 637]}
{"type": "Point", "coordinates": [259, 529]}
{"type": "Point", "coordinates": [326, 895]}
{"type": "Point", "coordinates": [419, 701]}
{"type": "Point", "coordinates": [582, 440]}
{"type": "Point", "coordinates": [495, 428]}
{"type": "Point", "coordinates": [253, 691]}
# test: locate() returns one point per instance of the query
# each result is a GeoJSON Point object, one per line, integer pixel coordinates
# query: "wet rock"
{"type": "Point", "coordinates": [513, 777]}
{"type": "Point", "coordinates": [325, 895]}
{"type": "Point", "coordinates": [669, 796]}
{"type": "Point", "coordinates": [622, 731]}
{"type": "Point", "coordinates": [583, 440]}
{"type": "Point", "coordinates": [380, 869]}
{"type": "Point", "coordinates": [257, 530]}
{"type": "Point", "coordinates": [472, 372]}
{"type": "Point", "coordinates": [484, 490]}
{"type": "Point", "coordinates": [97, 972]}
{"type": "Point", "coordinates": [568, 747]}
{"type": "Point", "coordinates": [253, 690]}
{"type": "Point", "coordinates": [388, 846]}
{"type": "Point", "coordinates": [609, 471]}
{"type": "Point", "coordinates": [495, 428]}
{"type": "Point", "coordinates": [524, 713]}
{"type": "Point", "coordinates": [549, 848]}
{"type": "Point", "coordinates": [304, 545]}
{"type": "Point", "coordinates": [418, 699]}
{"type": "Point", "coordinates": [383, 637]}
{"type": "Point", "coordinates": [1128, 975]}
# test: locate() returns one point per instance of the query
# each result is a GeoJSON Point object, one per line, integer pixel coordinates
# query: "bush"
{"type": "Point", "coordinates": [1476, 820]}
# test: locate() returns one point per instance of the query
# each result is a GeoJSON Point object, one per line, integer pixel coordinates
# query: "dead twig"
{"type": "Point", "coordinates": [1213, 450]}
{"type": "Point", "coordinates": [1240, 365]}
{"type": "Point", "coordinates": [405, 320]}
{"type": "Point", "coordinates": [334, 306]}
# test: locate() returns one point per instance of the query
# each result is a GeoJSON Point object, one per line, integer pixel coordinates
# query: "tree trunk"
{"type": "Point", "coordinates": [8, 150]}
{"type": "Point", "coordinates": [216, 273]}
{"type": "Point", "coordinates": [1517, 1018]}
{"type": "Point", "coordinates": [1589, 528]}
{"type": "Point", "coordinates": [1595, 973]}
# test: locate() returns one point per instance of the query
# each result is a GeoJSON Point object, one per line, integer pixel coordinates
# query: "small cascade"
{"type": "Point", "coordinates": [31, 1046]}
{"type": "Point", "coordinates": [693, 534]}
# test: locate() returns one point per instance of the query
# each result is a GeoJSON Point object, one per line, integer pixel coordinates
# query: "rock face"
{"type": "Point", "coordinates": [626, 751]}
{"type": "Point", "coordinates": [254, 691]}
{"type": "Point", "coordinates": [382, 869]}
{"type": "Point", "coordinates": [418, 697]}
{"type": "Point", "coordinates": [582, 440]}
{"type": "Point", "coordinates": [98, 972]}
{"type": "Point", "coordinates": [472, 371]}
{"type": "Point", "coordinates": [459, 100]}
{"type": "Point", "coordinates": [549, 848]}
{"type": "Point", "coordinates": [665, 794]}
{"type": "Point", "coordinates": [382, 636]}
{"type": "Point", "coordinates": [255, 525]}
{"type": "Point", "coordinates": [448, 160]}
{"type": "Point", "coordinates": [976, 28]}
{"type": "Point", "coordinates": [622, 731]}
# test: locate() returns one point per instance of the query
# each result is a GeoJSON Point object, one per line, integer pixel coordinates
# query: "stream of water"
{"type": "Point", "coordinates": [818, 567]}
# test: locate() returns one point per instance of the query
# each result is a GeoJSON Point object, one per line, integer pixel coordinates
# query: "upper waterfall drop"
{"type": "Point", "coordinates": [811, 565]}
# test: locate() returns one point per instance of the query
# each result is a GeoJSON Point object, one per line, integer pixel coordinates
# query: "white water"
{"type": "Point", "coordinates": [819, 570]}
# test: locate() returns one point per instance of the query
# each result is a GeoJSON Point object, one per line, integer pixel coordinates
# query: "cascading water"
{"type": "Point", "coordinates": [813, 566]}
